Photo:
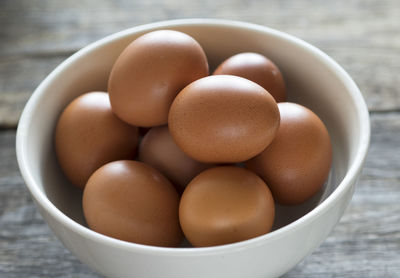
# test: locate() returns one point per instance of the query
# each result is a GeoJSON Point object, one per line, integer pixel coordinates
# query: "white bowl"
{"type": "Point", "coordinates": [313, 79]}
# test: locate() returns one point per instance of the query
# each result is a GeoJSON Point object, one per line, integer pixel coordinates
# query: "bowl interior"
{"type": "Point", "coordinates": [310, 82]}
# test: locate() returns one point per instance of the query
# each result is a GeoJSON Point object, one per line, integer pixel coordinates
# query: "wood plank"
{"type": "Point", "coordinates": [19, 78]}
{"type": "Point", "coordinates": [365, 243]}
{"type": "Point", "coordinates": [48, 26]}
{"type": "Point", "coordinates": [36, 35]}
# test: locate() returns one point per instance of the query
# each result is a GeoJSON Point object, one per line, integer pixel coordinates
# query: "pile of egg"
{"type": "Point", "coordinates": [171, 151]}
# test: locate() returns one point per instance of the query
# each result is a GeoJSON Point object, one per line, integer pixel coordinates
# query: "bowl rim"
{"type": "Point", "coordinates": [50, 208]}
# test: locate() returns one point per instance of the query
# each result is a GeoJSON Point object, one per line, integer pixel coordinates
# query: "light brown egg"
{"type": "Point", "coordinates": [257, 68]}
{"type": "Point", "coordinates": [223, 119]}
{"type": "Point", "coordinates": [150, 72]}
{"type": "Point", "coordinates": [225, 205]}
{"type": "Point", "coordinates": [296, 164]}
{"type": "Point", "coordinates": [159, 150]}
{"type": "Point", "coordinates": [89, 135]}
{"type": "Point", "coordinates": [131, 201]}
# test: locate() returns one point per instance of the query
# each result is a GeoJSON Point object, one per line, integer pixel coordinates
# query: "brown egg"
{"type": "Point", "coordinates": [88, 135]}
{"type": "Point", "coordinates": [225, 205]}
{"type": "Point", "coordinates": [257, 68]}
{"type": "Point", "coordinates": [159, 150]}
{"type": "Point", "coordinates": [296, 164]}
{"type": "Point", "coordinates": [150, 72]}
{"type": "Point", "coordinates": [223, 119]}
{"type": "Point", "coordinates": [132, 201]}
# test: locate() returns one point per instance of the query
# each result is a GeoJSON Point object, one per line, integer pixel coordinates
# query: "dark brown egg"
{"type": "Point", "coordinates": [131, 201]}
{"type": "Point", "coordinates": [296, 164]}
{"type": "Point", "coordinates": [225, 205]}
{"type": "Point", "coordinates": [257, 68]}
{"type": "Point", "coordinates": [88, 135]}
{"type": "Point", "coordinates": [159, 150]}
{"type": "Point", "coordinates": [150, 72]}
{"type": "Point", "coordinates": [223, 119]}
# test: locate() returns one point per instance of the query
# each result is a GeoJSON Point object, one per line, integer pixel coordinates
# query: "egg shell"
{"type": "Point", "coordinates": [257, 68]}
{"type": "Point", "coordinates": [159, 150]}
{"type": "Point", "coordinates": [132, 201]}
{"type": "Point", "coordinates": [297, 163]}
{"type": "Point", "coordinates": [225, 205]}
{"type": "Point", "coordinates": [89, 135]}
{"type": "Point", "coordinates": [150, 72]}
{"type": "Point", "coordinates": [223, 119]}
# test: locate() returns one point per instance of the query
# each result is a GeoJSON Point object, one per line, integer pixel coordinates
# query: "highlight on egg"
{"type": "Point", "coordinates": [225, 205]}
{"type": "Point", "coordinates": [131, 201]}
{"type": "Point", "coordinates": [223, 119]}
{"type": "Point", "coordinates": [150, 72]}
{"type": "Point", "coordinates": [297, 162]}
{"type": "Point", "coordinates": [89, 135]}
{"type": "Point", "coordinates": [257, 68]}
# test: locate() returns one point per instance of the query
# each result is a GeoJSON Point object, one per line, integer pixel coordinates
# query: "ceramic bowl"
{"type": "Point", "coordinates": [313, 79]}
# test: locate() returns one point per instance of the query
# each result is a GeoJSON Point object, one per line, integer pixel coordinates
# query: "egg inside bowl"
{"type": "Point", "coordinates": [312, 79]}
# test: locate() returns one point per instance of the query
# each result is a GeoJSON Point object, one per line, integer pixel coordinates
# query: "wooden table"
{"type": "Point", "coordinates": [363, 36]}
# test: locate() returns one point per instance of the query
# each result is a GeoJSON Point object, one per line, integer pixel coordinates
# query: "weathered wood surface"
{"type": "Point", "coordinates": [36, 35]}
{"type": "Point", "coordinates": [365, 243]}
{"type": "Point", "coordinates": [362, 35]}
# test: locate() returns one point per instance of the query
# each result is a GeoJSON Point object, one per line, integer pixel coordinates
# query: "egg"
{"type": "Point", "coordinates": [150, 72]}
{"type": "Point", "coordinates": [159, 150]}
{"type": "Point", "coordinates": [297, 162]}
{"type": "Point", "coordinates": [131, 201]}
{"type": "Point", "coordinates": [257, 68]}
{"type": "Point", "coordinates": [223, 119]}
{"type": "Point", "coordinates": [225, 205]}
{"type": "Point", "coordinates": [89, 135]}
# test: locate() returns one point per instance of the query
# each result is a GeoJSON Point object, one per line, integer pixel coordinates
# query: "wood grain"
{"type": "Point", "coordinates": [365, 243]}
{"type": "Point", "coordinates": [19, 78]}
{"type": "Point", "coordinates": [363, 36]}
